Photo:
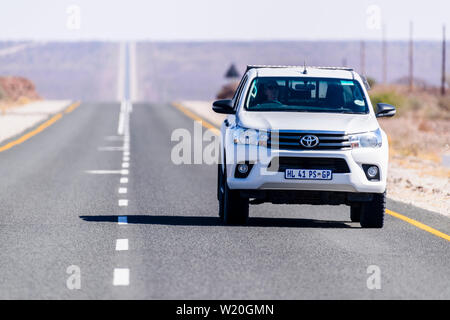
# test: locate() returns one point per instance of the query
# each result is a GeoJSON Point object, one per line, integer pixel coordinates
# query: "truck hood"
{"type": "Point", "coordinates": [348, 123]}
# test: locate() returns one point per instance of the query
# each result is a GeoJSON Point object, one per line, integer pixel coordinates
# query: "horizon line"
{"type": "Point", "coordinates": [214, 40]}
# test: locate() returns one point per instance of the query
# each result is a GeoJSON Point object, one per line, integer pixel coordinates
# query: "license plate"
{"type": "Point", "coordinates": [308, 174]}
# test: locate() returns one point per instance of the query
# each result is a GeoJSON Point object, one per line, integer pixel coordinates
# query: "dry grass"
{"type": "Point", "coordinates": [7, 104]}
{"type": "Point", "coordinates": [418, 137]}
{"type": "Point", "coordinates": [422, 103]}
{"type": "Point", "coordinates": [421, 128]}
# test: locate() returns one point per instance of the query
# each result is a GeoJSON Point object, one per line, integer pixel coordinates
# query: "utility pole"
{"type": "Point", "coordinates": [384, 55]}
{"type": "Point", "coordinates": [411, 57]}
{"type": "Point", "coordinates": [363, 58]}
{"type": "Point", "coordinates": [443, 61]}
{"type": "Point", "coordinates": [344, 62]}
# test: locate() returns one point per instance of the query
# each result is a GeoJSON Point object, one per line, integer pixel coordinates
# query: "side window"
{"type": "Point", "coordinates": [323, 87]}
{"type": "Point", "coordinates": [237, 96]}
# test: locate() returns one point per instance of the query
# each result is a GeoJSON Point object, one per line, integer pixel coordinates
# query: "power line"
{"type": "Point", "coordinates": [384, 55]}
{"type": "Point", "coordinates": [443, 61]}
{"type": "Point", "coordinates": [411, 57]}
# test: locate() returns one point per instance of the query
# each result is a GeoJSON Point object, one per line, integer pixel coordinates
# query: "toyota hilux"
{"type": "Point", "coordinates": [302, 135]}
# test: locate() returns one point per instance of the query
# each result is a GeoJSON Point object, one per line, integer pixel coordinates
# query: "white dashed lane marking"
{"type": "Point", "coordinates": [114, 138]}
{"type": "Point", "coordinates": [104, 171]}
{"type": "Point", "coordinates": [122, 190]}
{"type": "Point", "coordinates": [121, 244]}
{"type": "Point", "coordinates": [121, 277]}
{"type": "Point", "coordinates": [123, 203]}
{"type": "Point", "coordinates": [110, 149]}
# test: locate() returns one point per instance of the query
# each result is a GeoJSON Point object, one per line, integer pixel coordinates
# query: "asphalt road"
{"type": "Point", "coordinates": [55, 214]}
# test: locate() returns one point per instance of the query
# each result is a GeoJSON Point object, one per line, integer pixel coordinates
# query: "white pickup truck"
{"type": "Point", "coordinates": [302, 135]}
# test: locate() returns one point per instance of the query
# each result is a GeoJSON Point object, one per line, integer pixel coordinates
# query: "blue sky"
{"type": "Point", "coordinates": [222, 20]}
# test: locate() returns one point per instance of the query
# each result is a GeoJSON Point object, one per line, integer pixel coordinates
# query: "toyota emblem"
{"type": "Point", "coordinates": [309, 141]}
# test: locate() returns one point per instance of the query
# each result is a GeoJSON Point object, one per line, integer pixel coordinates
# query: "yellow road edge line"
{"type": "Point", "coordinates": [419, 225]}
{"type": "Point", "coordinates": [390, 212]}
{"type": "Point", "coordinates": [40, 128]}
{"type": "Point", "coordinates": [195, 117]}
{"type": "Point", "coordinates": [72, 107]}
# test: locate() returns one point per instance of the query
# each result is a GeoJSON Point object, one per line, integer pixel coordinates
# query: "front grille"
{"type": "Point", "coordinates": [337, 165]}
{"type": "Point", "coordinates": [291, 140]}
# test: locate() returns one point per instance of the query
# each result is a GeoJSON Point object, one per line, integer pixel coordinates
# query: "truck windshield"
{"type": "Point", "coordinates": [306, 95]}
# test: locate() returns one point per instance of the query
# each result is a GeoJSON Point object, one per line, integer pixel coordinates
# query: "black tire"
{"type": "Point", "coordinates": [355, 212]}
{"type": "Point", "coordinates": [372, 213]}
{"type": "Point", "coordinates": [220, 190]}
{"type": "Point", "coordinates": [234, 208]}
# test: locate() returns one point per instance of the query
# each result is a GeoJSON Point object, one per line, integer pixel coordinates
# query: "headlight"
{"type": "Point", "coordinates": [250, 136]}
{"type": "Point", "coordinates": [366, 140]}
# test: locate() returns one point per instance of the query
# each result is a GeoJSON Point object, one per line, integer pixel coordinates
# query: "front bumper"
{"type": "Point", "coordinates": [260, 178]}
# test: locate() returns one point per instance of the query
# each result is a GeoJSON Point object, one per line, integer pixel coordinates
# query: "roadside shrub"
{"type": "Point", "coordinates": [390, 97]}
{"type": "Point", "coordinates": [371, 81]}
{"type": "Point", "coordinates": [425, 125]}
{"type": "Point", "coordinates": [444, 103]}
{"type": "Point", "coordinates": [414, 103]}
{"type": "Point", "coordinates": [227, 91]}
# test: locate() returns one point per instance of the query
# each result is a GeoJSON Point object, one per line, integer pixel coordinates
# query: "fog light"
{"type": "Point", "coordinates": [372, 171]}
{"type": "Point", "coordinates": [242, 168]}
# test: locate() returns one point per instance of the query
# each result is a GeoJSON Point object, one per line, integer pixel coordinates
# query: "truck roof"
{"type": "Point", "coordinates": [298, 71]}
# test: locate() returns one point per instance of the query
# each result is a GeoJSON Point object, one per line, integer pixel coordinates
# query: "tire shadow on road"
{"type": "Point", "coordinates": [215, 221]}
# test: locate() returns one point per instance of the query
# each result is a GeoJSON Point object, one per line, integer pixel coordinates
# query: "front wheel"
{"type": "Point", "coordinates": [220, 190]}
{"type": "Point", "coordinates": [372, 213]}
{"type": "Point", "coordinates": [233, 209]}
{"type": "Point", "coordinates": [236, 208]}
{"type": "Point", "coordinates": [355, 212]}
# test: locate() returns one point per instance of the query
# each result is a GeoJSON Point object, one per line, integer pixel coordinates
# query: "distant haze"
{"type": "Point", "coordinates": [168, 71]}
{"type": "Point", "coordinates": [201, 20]}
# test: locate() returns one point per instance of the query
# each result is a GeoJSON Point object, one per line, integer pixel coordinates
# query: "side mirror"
{"type": "Point", "coordinates": [223, 106]}
{"type": "Point", "coordinates": [385, 110]}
